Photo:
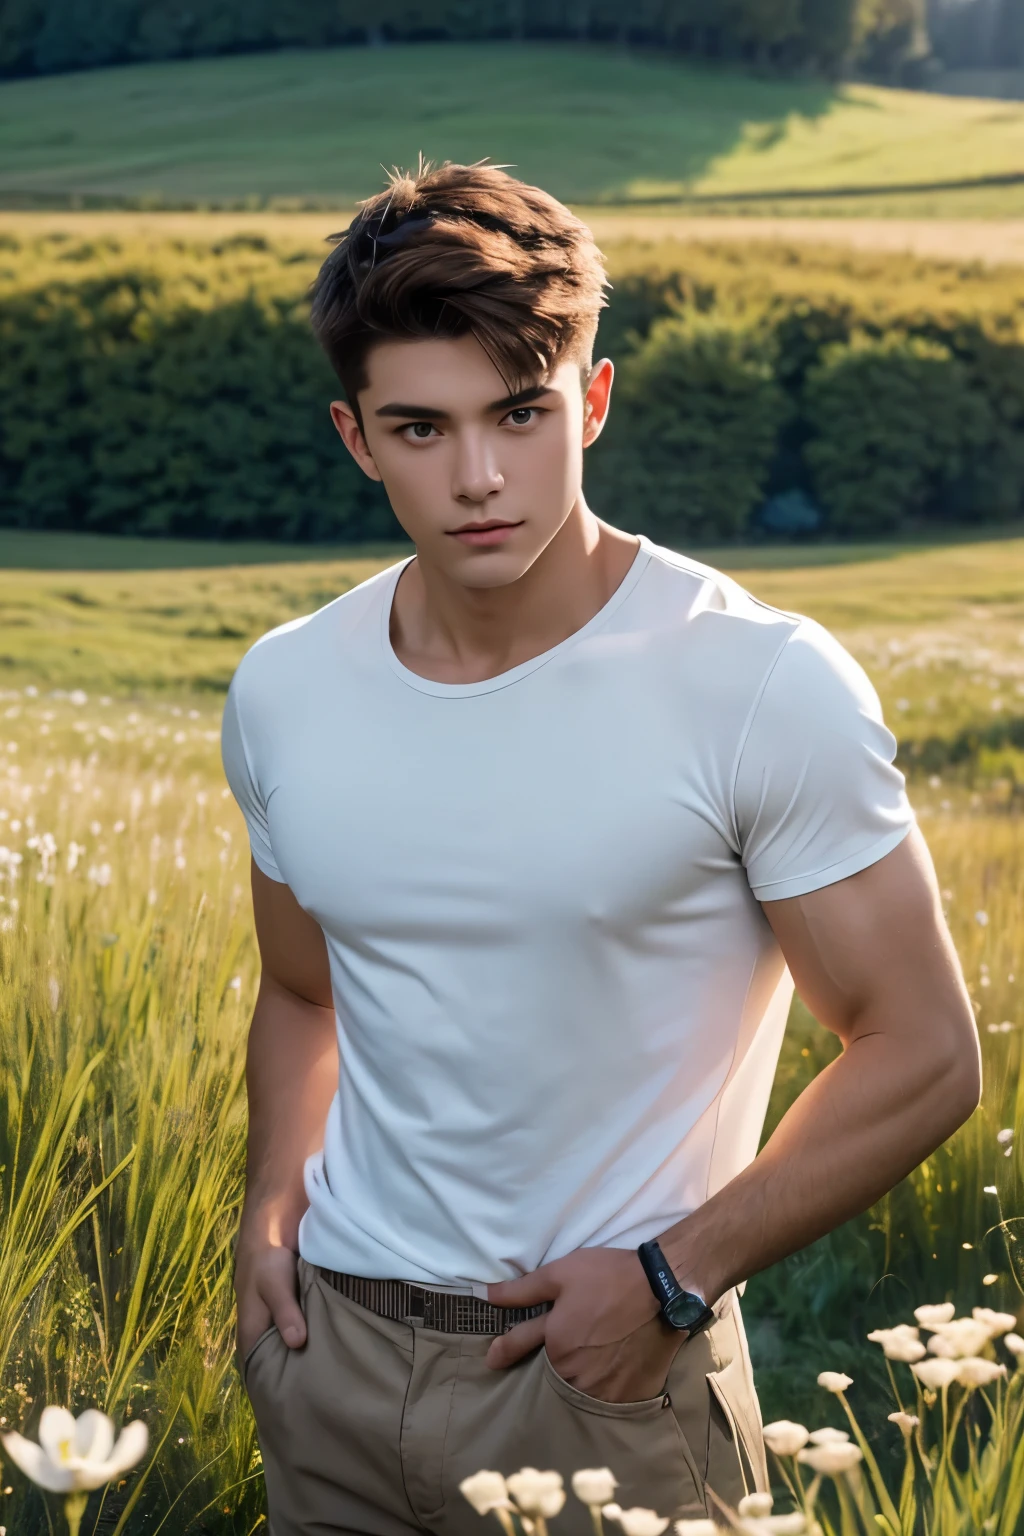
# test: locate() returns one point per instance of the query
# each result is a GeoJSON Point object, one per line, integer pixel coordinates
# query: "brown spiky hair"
{"type": "Point", "coordinates": [458, 249]}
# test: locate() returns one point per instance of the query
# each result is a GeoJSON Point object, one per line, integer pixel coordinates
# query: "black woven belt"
{"type": "Point", "coordinates": [446, 1311]}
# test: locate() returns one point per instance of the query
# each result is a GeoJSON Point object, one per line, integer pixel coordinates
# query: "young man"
{"type": "Point", "coordinates": [546, 822]}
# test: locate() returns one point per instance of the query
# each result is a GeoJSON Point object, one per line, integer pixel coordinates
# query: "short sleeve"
{"type": "Point", "coordinates": [817, 795]}
{"type": "Point", "coordinates": [244, 786]}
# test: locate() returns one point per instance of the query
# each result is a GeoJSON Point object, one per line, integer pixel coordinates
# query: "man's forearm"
{"type": "Point", "coordinates": [291, 1077]}
{"type": "Point", "coordinates": [864, 1123]}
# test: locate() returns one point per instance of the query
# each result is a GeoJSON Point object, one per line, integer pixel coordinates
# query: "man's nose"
{"type": "Point", "coordinates": [476, 475]}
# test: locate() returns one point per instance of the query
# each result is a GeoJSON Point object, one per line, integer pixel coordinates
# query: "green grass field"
{"type": "Point", "coordinates": [595, 126]}
{"type": "Point", "coordinates": [128, 971]}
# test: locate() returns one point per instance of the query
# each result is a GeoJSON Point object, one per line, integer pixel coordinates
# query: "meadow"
{"type": "Point", "coordinates": [597, 126]}
{"type": "Point", "coordinates": [128, 971]}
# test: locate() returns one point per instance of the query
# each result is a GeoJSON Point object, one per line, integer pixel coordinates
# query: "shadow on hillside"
{"type": "Point", "coordinates": [586, 122]}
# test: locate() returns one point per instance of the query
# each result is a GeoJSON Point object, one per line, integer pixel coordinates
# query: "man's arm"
{"type": "Point", "coordinates": [291, 1077]}
{"type": "Point", "coordinates": [872, 958]}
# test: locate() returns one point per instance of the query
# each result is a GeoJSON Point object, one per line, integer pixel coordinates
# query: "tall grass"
{"type": "Point", "coordinates": [127, 975]}
{"type": "Point", "coordinates": [126, 979]}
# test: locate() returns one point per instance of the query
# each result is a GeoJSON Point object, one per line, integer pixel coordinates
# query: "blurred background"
{"type": "Point", "coordinates": [813, 214]}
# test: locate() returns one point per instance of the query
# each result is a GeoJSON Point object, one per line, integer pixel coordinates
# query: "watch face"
{"type": "Point", "coordinates": [685, 1310]}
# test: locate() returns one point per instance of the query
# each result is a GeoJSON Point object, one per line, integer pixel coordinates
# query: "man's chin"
{"type": "Point", "coordinates": [482, 566]}
{"type": "Point", "coordinates": [491, 568]}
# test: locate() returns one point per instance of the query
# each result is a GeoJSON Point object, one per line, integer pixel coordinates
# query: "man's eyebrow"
{"type": "Point", "coordinates": [420, 412]}
{"type": "Point", "coordinates": [431, 412]}
{"type": "Point", "coordinates": [522, 397]}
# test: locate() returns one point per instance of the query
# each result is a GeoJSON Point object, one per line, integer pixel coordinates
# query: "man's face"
{"type": "Point", "coordinates": [455, 450]}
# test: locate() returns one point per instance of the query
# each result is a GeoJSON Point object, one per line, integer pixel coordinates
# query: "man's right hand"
{"type": "Point", "coordinates": [266, 1291]}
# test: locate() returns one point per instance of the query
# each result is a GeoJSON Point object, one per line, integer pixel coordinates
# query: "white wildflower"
{"type": "Point", "coordinates": [1005, 1135]}
{"type": "Point", "coordinates": [784, 1437]}
{"type": "Point", "coordinates": [828, 1436]}
{"type": "Point", "coordinates": [832, 1460]}
{"type": "Point", "coordinates": [907, 1422]}
{"type": "Point", "coordinates": [696, 1528]}
{"type": "Point", "coordinates": [931, 1316]}
{"type": "Point", "coordinates": [76, 1454]}
{"type": "Point", "coordinates": [966, 1335]}
{"type": "Point", "coordinates": [485, 1491]}
{"type": "Point", "coordinates": [834, 1381]}
{"type": "Point", "coordinates": [591, 1485]}
{"type": "Point", "coordinates": [975, 1372]}
{"type": "Point", "coordinates": [642, 1522]}
{"type": "Point", "coordinates": [537, 1493]}
{"type": "Point", "coordinates": [1014, 1343]}
{"type": "Point", "coordinates": [756, 1504]}
{"type": "Point", "coordinates": [100, 874]}
{"type": "Point", "coordinates": [946, 1349]}
{"type": "Point", "coordinates": [77, 697]}
{"type": "Point", "coordinates": [981, 918]}
{"type": "Point", "coordinates": [995, 1322]}
{"type": "Point", "coordinates": [936, 1374]}
{"type": "Point", "coordinates": [899, 1343]}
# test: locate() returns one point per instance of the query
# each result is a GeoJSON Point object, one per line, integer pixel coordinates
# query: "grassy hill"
{"type": "Point", "coordinates": [595, 126]}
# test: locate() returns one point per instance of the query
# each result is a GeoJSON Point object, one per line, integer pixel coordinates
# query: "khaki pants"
{"type": "Point", "coordinates": [370, 1427]}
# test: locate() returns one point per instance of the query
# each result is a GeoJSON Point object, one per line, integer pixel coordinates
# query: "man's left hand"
{"type": "Point", "coordinates": [604, 1335]}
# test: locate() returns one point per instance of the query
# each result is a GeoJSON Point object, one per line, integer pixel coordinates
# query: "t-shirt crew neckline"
{"type": "Point", "coordinates": [641, 560]}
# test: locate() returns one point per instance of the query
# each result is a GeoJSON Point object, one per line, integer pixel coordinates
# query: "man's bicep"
{"type": "Point", "coordinates": [293, 951]}
{"type": "Point", "coordinates": [873, 950]}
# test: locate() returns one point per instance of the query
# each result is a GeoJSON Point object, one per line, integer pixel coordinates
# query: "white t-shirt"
{"type": "Point", "coordinates": [559, 1003]}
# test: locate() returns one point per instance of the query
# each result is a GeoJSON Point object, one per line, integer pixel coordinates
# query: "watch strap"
{"type": "Point", "coordinates": [667, 1288]}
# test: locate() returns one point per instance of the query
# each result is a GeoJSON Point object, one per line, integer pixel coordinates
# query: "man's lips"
{"type": "Point", "coordinates": [482, 534]}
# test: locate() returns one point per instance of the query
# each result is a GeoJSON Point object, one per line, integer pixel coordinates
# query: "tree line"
{"type": "Point", "coordinates": [828, 36]}
{"type": "Point", "coordinates": [977, 34]}
{"type": "Point", "coordinates": [176, 390]}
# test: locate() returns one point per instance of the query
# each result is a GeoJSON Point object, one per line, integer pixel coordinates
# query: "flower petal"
{"type": "Point", "coordinates": [484, 1490]}
{"type": "Point", "coordinates": [34, 1462]}
{"type": "Point", "coordinates": [57, 1430]}
{"type": "Point", "coordinates": [94, 1435]}
{"type": "Point", "coordinates": [130, 1448]}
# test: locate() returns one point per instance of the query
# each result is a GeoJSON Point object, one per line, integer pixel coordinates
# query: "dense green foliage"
{"type": "Point", "coordinates": [65, 34]}
{"type": "Point", "coordinates": [176, 389]}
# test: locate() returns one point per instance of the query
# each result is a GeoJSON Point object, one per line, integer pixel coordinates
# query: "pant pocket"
{"type": "Point", "coordinates": [267, 1332]}
{"type": "Point", "coordinates": [643, 1443]}
{"type": "Point", "coordinates": [570, 1394]}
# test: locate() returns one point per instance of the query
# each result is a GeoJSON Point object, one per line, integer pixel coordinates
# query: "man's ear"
{"type": "Point", "coordinates": [597, 400]}
{"type": "Point", "coordinates": [351, 434]}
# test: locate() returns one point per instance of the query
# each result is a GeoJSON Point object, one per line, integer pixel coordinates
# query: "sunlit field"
{"type": "Point", "coordinates": [595, 125]}
{"type": "Point", "coordinates": [128, 971]}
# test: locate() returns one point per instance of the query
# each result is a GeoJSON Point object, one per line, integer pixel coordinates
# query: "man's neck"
{"type": "Point", "coordinates": [451, 633]}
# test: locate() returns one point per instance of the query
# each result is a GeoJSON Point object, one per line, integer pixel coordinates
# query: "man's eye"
{"type": "Point", "coordinates": [420, 429]}
{"type": "Point", "coordinates": [522, 414]}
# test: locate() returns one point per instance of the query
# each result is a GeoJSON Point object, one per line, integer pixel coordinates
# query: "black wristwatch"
{"type": "Point", "coordinates": [682, 1309]}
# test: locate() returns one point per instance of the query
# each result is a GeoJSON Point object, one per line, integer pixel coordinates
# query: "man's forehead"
{"type": "Point", "coordinates": [454, 366]}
